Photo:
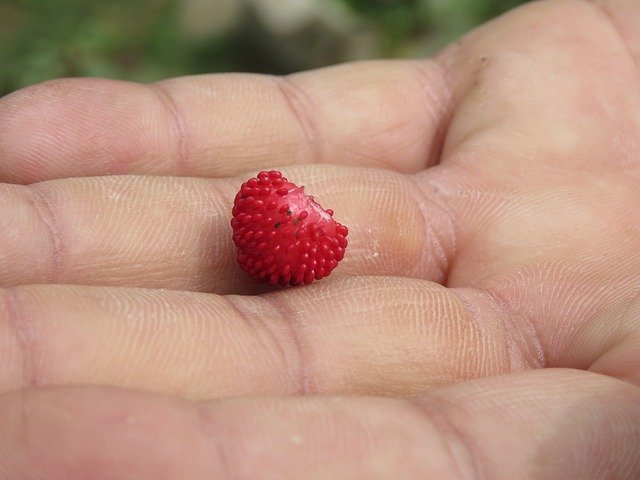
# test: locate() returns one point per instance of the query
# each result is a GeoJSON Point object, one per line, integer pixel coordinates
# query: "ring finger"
{"type": "Point", "coordinates": [174, 232]}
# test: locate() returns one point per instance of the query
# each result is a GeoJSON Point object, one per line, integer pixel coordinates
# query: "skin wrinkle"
{"type": "Point", "coordinates": [530, 333]}
{"type": "Point", "coordinates": [628, 336]}
{"type": "Point", "coordinates": [584, 294]}
{"type": "Point", "coordinates": [603, 11]}
{"type": "Point", "coordinates": [442, 198]}
{"type": "Point", "coordinates": [307, 385]}
{"type": "Point", "coordinates": [25, 435]}
{"type": "Point", "coordinates": [252, 320]}
{"type": "Point", "coordinates": [178, 124]}
{"type": "Point", "coordinates": [473, 311]}
{"type": "Point", "coordinates": [518, 360]}
{"type": "Point", "coordinates": [208, 285]}
{"type": "Point", "coordinates": [457, 96]}
{"type": "Point", "coordinates": [437, 249]}
{"type": "Point", "coordinates": [635, 299]}
{"type": "Point", "coordinates": [588, 320]}
{"type": "Point", "coordinates": [449, 252]}
{"type": "Point", "coordinates": [220, 443]}
{"type": "Point", "coordinates": [124, 307]}
{"type": "Point", "coordinates": [583, 432]}
{"type": "Point", "coordinates": [442, 101]}
{"type": "Point", "coordinates": [301, 108]}
{"type": "Point", "coordinates": [45, 212]}
{"type": "Point", "coordinates": [26, 336]}
{"type": "Point", "coordinates": [459, 446]}
{"type": "Point", "coordinates": [620, 373]}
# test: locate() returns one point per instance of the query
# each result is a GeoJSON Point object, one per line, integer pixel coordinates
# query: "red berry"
{"type": "Point", "coordinates": [282, 235]}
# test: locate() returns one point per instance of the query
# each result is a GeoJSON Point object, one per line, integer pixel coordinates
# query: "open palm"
{"type": "Point", "coordinates": [493, 200]}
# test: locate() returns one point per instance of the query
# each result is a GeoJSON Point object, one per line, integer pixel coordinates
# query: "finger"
{"type": "Point", "coordinates": [553, 424]}
{"type": "Point", "coordinates": [564, 76]}
{"type": "Point", "coordinates": [552, 232]}
{"type": "Point", "coordinates": [375, 335]}
{"type": "Point", "coordinates": [174, 233]}
{"type": "Point", "coordinates": [381, 114]}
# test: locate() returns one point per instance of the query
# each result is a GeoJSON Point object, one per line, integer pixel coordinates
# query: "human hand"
{"type": "Point", "coordinates": [492, 199]}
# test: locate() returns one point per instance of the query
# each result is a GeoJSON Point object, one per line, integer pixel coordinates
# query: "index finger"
{"type": "Point", "coordinates": [382, 114]}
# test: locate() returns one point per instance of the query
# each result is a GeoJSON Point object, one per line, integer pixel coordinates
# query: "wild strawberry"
{"type": "Point", "coordinates": [282, 235]}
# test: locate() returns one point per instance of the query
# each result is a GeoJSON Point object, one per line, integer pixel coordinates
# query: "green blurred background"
{"type": "Point", "coordinates": [148, 40]}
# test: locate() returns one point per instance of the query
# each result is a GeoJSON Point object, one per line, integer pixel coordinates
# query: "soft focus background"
{"type": "Point", "coordinates": [148, 40]}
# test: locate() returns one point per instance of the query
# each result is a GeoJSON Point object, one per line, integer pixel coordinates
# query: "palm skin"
{"type": "Point", "coordinates": [492, 198]}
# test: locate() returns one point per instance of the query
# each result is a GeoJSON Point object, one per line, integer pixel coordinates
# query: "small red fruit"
{"type": "Point", "coordinates": [282, 235]}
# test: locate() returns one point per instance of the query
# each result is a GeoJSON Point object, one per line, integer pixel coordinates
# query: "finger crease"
{"type": "Point", "coordinates": [438, 101]}
{"type": "Point", "coordinates": [45, 213]}
{"type": "Point", "coordinates": [26, 336]}
{"type": "Point", "coordinates": [603, 11]}
{"type": "Point", "coordinates": [456, 443]}
{"type": "Point", "coordinates": [257, 321]}
{"type": "Point", "coordinates": [178, 126]}
{"type": "Point", "coordinates": [214, 435]}
{"type": "Point", "coordinates": [526, 330]}
{"type": "Point", "coordinates": [299, 104]}
{"type": "Point", "coordinates": [443, 245]}
{"type": "Point", "coordinates": [625, 318]}
{"type": "Point", "coordinates": [306, 385]}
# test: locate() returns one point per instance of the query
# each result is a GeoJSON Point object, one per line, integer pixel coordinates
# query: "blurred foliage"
{"type": "Point", "coordinates": [146, 40]}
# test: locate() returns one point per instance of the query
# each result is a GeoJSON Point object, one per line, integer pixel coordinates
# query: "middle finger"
{"type": "Point", "coordinates": [378, 335]}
